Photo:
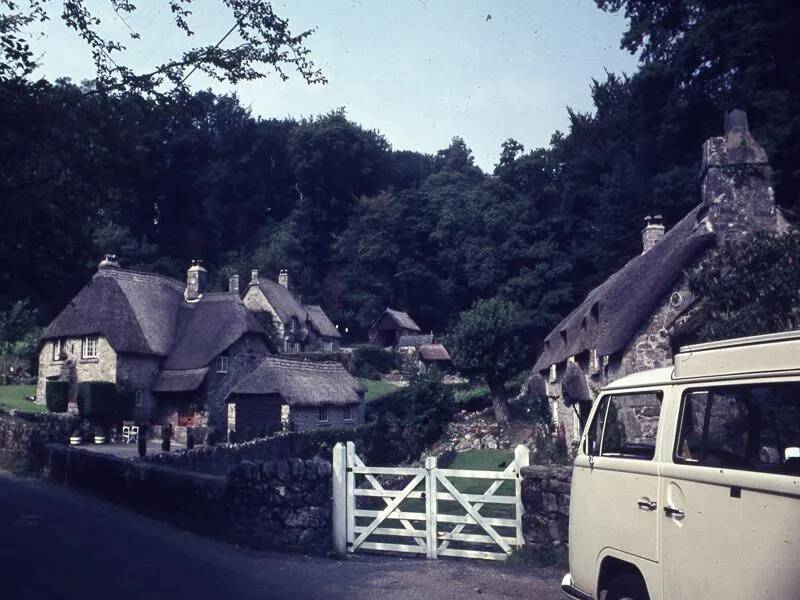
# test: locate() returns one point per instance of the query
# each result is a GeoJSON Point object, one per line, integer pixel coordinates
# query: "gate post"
{"type": "Point", "coordinates": [350, 456]}
{"type": "Point", "coordinates": [431, 508]}
{"type": "Point", "coordinates": [521, 459]}
{"type": "Point", "coordinates": [339, 500]}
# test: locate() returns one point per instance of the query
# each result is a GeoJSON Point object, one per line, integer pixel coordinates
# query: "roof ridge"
{"type": "Point", "coordinates": [142, 276]}
{"type": "Point", "coordinates": [309, 365]}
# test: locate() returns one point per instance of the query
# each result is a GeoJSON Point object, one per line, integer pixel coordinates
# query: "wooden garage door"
{"type": "Point", "coordinates": [256, 414]}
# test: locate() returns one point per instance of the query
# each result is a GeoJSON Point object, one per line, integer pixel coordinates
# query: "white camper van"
{"type": "Point", "coordinates": [686, 484]}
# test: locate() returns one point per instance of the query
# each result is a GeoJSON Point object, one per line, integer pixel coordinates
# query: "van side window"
{"type": "Point", "coordinates": [750, 427]}
{"type": "Point", "coordinates": [625, 426]}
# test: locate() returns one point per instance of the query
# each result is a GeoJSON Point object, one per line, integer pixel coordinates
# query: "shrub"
{"type": "Point", "coordinates": [369, 360]}
{"type": "Point", "coordinates": [412, 417]}
{"type": "Point", "coordinates": [104, 400]}
{"type": "Point", "coordinates": [56, 395]}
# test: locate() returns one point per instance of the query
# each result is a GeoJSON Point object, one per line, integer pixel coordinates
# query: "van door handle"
{"type": "Point", "coordinates": [673, 512]}
{"type": "Point", "coordinates": [646, 504]}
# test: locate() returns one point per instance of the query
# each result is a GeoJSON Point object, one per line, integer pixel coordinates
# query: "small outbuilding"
{"type": "Point", "coordinates": [300, 395]}
{"type": "Point", "coordinates": [390, 327]}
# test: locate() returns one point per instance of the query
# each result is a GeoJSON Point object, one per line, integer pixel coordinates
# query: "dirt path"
{"type": "Point", "coordinates": [58, 544]}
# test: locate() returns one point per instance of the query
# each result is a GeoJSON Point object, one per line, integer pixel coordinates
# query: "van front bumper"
{"type": "Point", "coordinates": [570, 590]}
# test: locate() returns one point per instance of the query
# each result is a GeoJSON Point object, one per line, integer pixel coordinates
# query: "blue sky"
{"type": "Point", "coordinates": [420, 72]}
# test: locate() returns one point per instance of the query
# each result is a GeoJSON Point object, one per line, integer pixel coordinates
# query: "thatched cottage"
{"type": "Point", "coordinates": [300, 394]}
{"type": "Point", "coordinates": [177, 348]}
{"type": "Point", "coordinates": [299, 327]}
{"type": "Point", "coordinates": [637, 318]}
{"type": "Point", "coordinates": [390, 327]}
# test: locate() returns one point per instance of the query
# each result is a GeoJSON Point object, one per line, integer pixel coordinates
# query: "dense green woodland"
{"type": "Point", "coordinates": [160, 180]}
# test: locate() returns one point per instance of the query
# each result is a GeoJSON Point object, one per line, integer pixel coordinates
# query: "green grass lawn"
{"type": "Point", "coordinates": [377, 389]}
{"type": "Point", "coordinates": [13, 396]}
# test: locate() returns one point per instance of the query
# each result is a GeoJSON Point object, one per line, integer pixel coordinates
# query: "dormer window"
{"type": "Point", "coordinates": [222, 363]}
{"type": "Point", "coordinates": [89, 347]}
{"type": "Point", "coordinates": [553, 373]}
{"type": "Point", "coordinates": [564, 336]}
{"type": "Point", "coordinates": [595, 311]}
{"type": "Point", "coordinates": [59, 350]}
{"type": "Point", "coordinates": [293, 324]}
{"type": "Point", "coordinates": [583, 324]}
{"type": "Point", "coordinates": [547, 345]}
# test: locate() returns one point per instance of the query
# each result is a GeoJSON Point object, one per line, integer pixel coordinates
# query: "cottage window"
{"type": "Point", "coordinates": [222, 364]}
{"type": "Point", "coordinates": [553, 373]}
{"type": "Point", "coordinates": [328, 346]}
{"type": "Point", "coordinates": [139, 399]}
{"type": "Point", "coordinates": [348, 413]}
{"type": "Point", "coordinates": [59, 350]}
{"type": "Point", "coordinates": [89, 346]}
{"type": "Point", "coordinates": [323, 414]}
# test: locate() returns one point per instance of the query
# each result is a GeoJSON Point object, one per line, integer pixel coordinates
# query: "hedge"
{"type": "Point", "coordinates": [56, 395]}
{"type": "Point", "coordinates": [104, 399]}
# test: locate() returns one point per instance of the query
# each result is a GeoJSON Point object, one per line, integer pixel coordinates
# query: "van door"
{"type": "Point", "coordinates": [730, 495]}
{"type": "Point", "coordinates": [615, 484]}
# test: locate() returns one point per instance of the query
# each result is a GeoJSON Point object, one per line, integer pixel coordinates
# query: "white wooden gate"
{"type": "Point", "coordinates": [428, 513]}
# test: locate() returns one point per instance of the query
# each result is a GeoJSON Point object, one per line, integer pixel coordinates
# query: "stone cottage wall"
{"type": "Point", "coordinates": [75, 368]}
{"type": "Point", "coordinates": [307, 418]}
{"type": "Point", "coordinates": [545, 496]}
{"type": "Point", "coordinates": [139, 372]}
{"type": "Point", "coordinates": [243, 357]}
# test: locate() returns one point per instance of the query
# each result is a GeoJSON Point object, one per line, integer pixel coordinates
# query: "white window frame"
{"type": "Point", "coordinates": [553, 373]}
{"type": "Point", "coordinates": [89, 347]}
{"type": "Point", "coordinates": [58, 350]}
{"type": "Point", "coordinates": [322, 414]}
{"type": "Point", "coordinates": [348, 413]}
{"type": "Point", "coordinates": [222, 363]}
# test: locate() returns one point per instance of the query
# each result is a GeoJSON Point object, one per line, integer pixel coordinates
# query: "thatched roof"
{"type": "Point", "coordinates": [302, 383]}
{"type": "Point", "coordinates": [208, 327]}
{"type": "Point", "coordinates": [399, 318]}
{"type": "Point", "coordinates": [321, 322]}
{"type": "Point", "coordinates": [283, 301]}
{"type": "Point", "coordinates": [612, 312]}
{"type": "Point", "coordinates": [136, 312]}
{"type": "Point", "coordinates": [414, 341]}
{"type": "Point", "coordinates": [180, 381]}
{"type": "Point", "coordinates": [434, 352]}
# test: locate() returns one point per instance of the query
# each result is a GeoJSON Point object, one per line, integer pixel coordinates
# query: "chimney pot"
{"type": "Point", "coordinates": [283, 278]}
{"type": "Point", "coordinates": [254, 277]}
{"type": "Point", "coordinates": [653, 232]}
{"type": "Point", "coordinates": [109, 260]}
{"type": "Point", "coordinates": [196, 278]}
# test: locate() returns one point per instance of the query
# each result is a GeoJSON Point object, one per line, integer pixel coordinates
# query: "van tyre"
{"type": "Point", "coordinates": [627, 586]}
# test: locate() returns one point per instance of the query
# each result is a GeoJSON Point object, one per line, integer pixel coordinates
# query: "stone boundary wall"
{"type": "Point", "coordinates": [305, 445]}
{"type": "Point", "coordinates": [545, 496]}
{"type": "Point", "coordinates": [24, 437]}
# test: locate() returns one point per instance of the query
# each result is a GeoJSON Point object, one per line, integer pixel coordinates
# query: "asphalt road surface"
{"type": "Point", "coordinates": [56, 544]}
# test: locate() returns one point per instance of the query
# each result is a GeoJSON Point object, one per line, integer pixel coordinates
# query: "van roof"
{"type": "Point", "coordinates": [643, 378]}
{"type": "Point", "coordinates": [754, 356]}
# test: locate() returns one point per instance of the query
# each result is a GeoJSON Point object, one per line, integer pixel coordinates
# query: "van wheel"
{"type": "Point", "coordinates": [627, 586]}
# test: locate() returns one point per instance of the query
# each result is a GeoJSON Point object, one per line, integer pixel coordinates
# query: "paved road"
{"type": "Point", "coordinates": [58, 544]}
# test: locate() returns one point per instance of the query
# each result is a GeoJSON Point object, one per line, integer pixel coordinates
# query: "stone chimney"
{"type": "Point", "coordinates": [109, 260]}
{"type": "Point", "coordinates": [254, 277]}
{"type": "Point", "coordinates": [652, 233]}
{"type": "Point", "coordinates": [196, 278]}
{"type": "Point", "coordinates": [283, 278]}
{"type": "Point", "coordinates": [233, 284]}
{"type": "Point", "coordinates": [737, 182]}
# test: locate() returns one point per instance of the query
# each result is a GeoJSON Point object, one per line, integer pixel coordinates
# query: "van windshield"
{"type": "Point", "coordinates": [747, 427]}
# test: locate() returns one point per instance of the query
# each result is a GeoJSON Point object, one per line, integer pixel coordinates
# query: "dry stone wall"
{"type": "Point", "coordinates": [545, 496]}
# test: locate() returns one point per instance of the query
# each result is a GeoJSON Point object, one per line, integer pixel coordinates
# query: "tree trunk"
{"type": "Point", "coordinates": [502, 412]}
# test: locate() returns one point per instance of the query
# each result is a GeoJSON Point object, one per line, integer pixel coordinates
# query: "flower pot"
{"type": "Point", "coordinates": [74, 440]}
{"type": "Point", "coordinates": [99, 439]}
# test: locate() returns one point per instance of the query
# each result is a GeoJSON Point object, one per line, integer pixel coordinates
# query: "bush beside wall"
{"type": "Point", "coordinates": [56, 395]}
